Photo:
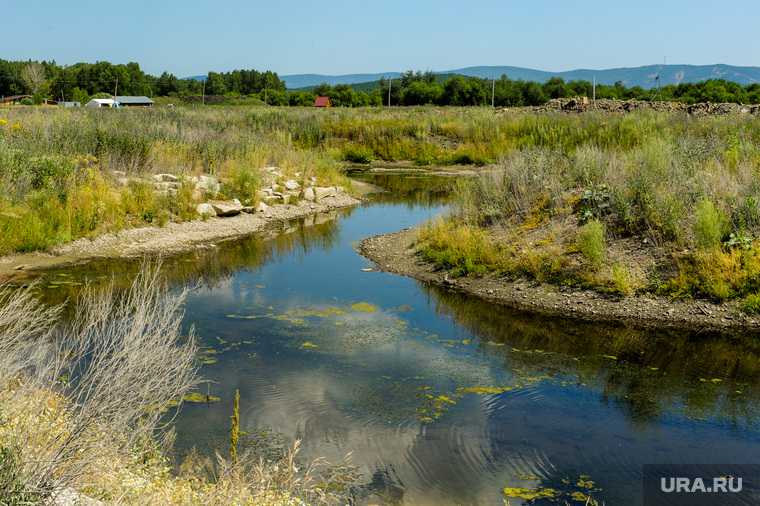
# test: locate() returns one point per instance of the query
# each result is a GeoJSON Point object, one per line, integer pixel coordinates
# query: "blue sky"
{"type": "Point", "coordinates": [337, 37]}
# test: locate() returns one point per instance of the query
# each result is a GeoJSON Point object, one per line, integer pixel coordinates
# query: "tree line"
{"type": "Point", "coordinates": [82, 81]}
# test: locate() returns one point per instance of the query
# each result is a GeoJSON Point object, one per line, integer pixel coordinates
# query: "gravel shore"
{"type": "Point", "coordinates": [396, 253]}
{"type": "Point", "coordinates": [172, 239]}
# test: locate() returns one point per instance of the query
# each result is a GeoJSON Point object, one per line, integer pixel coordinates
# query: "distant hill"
{"type": "Point", "coordinates": [633, 76]}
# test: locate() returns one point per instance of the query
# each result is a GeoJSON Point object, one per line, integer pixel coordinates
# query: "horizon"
{"type": "Point", "coordinates": [190, 38]}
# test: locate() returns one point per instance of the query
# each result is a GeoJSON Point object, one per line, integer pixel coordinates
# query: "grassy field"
{"type": "Point", "coordinates": [658, 203]}
{"type": "Point", "coordinates": [61, 167]}
{"type": "Point", "coordinates": [643, 202]}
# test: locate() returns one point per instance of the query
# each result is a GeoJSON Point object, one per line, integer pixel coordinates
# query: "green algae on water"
{"type": "Point", "coordinates": [364, 307]}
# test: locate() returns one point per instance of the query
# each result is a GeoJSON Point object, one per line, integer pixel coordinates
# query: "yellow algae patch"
{"type": "Point", "coordinates": [308, 345]}
{"type": "Point", "coordinates": [483, 390]}
{"type": "Point", "coordinates": [318, 313]}
{"type": "Point", "coordinates": [530, 494]}
{"type": "Point", "coordinates": [364, 307]}
{"type": "Point", "coordinates": [199, 398]}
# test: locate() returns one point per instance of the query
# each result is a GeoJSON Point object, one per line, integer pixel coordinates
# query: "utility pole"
{"type": "Point", "coordinates": [493, 93]}
{"type": "Point", "coordinates": [203, 93]}
{"type": "Point", "coordinates": [390, 84]}
{"type": "Point", "coordinates": [115, 91]}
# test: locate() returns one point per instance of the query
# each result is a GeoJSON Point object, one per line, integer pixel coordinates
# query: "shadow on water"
{"type": "Point", "coordinates": [441, 397]}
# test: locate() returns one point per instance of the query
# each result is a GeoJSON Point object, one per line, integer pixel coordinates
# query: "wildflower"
{"type": "Point", "coordinates": [3, 122]}
{"type": "Point", "coordinates": [16, 127]}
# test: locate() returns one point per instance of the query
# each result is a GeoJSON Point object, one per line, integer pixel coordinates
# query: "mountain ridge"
{"type": "Point", "coordinates": [644, 76]}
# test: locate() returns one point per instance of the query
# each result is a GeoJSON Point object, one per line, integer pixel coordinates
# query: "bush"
{"type": "Point", "coordinates": [592, 243]}
{"type": "Point", "coordinates": [459, 248]}
{"type": "Point", "coordinates": [708, 226]}
{"type": "Point", "coordinates": [358, 154]}
{"type": "Point", "coordinates": [622, 280]}
{"type": "Point", "coordinates": [243, 183]}
{"type": "Point", "coordinates": [751, 304]}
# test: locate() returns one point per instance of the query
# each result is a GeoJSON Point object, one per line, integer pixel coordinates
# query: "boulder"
{"type": "Point", "coordinates": [227, 208]}
{"type": "Point", "coordinates": [322, 192]}
{"type": "Point", "coordinates": [291, 184]}
{"type": "Point", "coordinates": [308, 194]}
{"type": "Point", "coordinates": [262, 207]}
{"type": "Point", "coordinates": [165, 178]}
{"type": "Point", "coordinates": [206, 210]}
{"type": "Point", "coordinates": [167, 185]}
{"type": "Point", "coordinates": [208, 184]}
{"type": "Point", "coordinates": [273, 171]}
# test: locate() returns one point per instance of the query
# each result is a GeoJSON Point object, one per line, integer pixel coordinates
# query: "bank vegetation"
{"type": "Point", "coordinates": [640, 204]}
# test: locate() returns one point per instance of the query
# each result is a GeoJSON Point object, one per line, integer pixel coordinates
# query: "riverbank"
{"type": "Point", "coordinates": [397, 253]}
{"type": "Point", "coordinates": [171, 239]}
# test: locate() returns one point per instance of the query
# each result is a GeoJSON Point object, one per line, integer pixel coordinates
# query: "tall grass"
{"type": "Point", "coordinates": [678, 183]}
{"type": "Point", "coordinates": [59, 178]}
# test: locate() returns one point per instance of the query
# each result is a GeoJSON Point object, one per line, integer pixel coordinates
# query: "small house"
{"type": "Point", "coordinates": [125, 101]}
{"type": "Point", "coordinates": [97, 103]}
{"type": "Point", "coordinates": [322, 102]}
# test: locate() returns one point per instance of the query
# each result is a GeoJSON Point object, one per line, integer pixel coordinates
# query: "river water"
{"type": "Point", "coordinates": [439, 397]}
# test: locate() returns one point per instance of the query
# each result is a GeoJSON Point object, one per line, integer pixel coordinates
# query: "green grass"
{"type": "Point", "coordinates": [580, 184]}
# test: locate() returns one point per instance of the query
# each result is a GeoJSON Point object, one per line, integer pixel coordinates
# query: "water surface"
{"type": "Point", "coordinates": [441, 398]}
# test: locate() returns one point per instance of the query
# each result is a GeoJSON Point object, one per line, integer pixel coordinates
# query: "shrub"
{"type": "Point", "coordinates": [622, 280]}
{"type": "Point", "coordinates": [242, 184]}
{"type": "Point", "coordinates": [592, 243]}
{"type": "Point", "coordinates": [358, 154]}
{"type": "Point", "coordinates": [708, 225]}
{"type": "Point", "coordinates": [751, 303]}
{"type": "Point", "coordinates": [460, 248]}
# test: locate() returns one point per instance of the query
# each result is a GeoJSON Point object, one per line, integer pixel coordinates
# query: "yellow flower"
{"type": "Point", "coordinates": [3, 122]}
{"type": "Point", "coordinates": [16, 126]}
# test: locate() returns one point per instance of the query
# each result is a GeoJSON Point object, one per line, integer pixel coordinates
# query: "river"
{"type": "Point", "coordinates": [439, 397]}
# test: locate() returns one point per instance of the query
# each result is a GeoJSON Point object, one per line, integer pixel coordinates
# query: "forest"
{"type": "Point", "coordinates": [82, 81]}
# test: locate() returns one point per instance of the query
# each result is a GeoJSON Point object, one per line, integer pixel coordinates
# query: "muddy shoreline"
{"type": "Point", "coordinates": [395, 253]}
{"type": "Point", "coordinates": [172, 239]}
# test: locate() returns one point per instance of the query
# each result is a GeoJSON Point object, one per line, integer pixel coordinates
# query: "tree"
{"type": "Point", "coordinates": [33, 75]}
{"type": "Point", "coordinates": [215, 84]}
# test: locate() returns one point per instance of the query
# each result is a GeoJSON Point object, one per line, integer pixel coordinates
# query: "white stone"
{"type": "Point", "coordinates": [262, 207]}
{"type": "Point", "coordinates": [165, 178]}
{"type": "Point", "coordinates": [228, 208]}
{"type": "Point", "coordinates": [291, 184]}
{"type": "Point", "coordinates": [322, 192]}
{"type": "Point", "coordinates": [308, 194]}
{"type": "Point", "coordinates": [205, 209]}
{"type": "Point", "coordinates": [209, 184]}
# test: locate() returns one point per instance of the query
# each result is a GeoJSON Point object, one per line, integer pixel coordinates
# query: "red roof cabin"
{"type": "Point", "coordinates": [322, 102]}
